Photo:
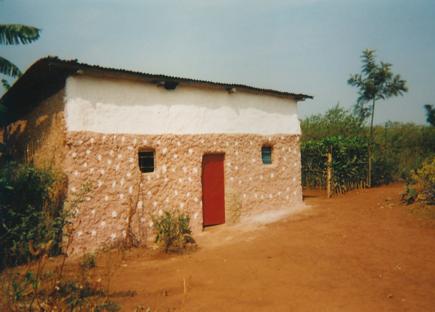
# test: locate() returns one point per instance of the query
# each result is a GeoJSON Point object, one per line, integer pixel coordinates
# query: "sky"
{"type": "Point", "coordinates": [301, 46]}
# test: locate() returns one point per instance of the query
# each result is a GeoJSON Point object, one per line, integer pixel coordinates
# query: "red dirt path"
{"type": "Point", "coordinates": [362, 251]}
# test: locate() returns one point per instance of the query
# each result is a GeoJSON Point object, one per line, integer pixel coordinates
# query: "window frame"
{"type": "Point", "coordinates": [263, 154]}
{"type": "Point", "coordinates": [148, 168]}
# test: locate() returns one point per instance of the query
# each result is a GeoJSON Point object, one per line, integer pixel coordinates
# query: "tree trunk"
{"type": "Point", "coordinates": [370, 150]}
{"type": "Point", "coordinates": [329, 173]}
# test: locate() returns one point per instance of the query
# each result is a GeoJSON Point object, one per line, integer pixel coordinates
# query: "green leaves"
{"type": "Point", "coordinates": [376, 82]}
{"type": "Point", "coordinates": [336, 121]}
{"type": "Point", "coordinates": [13, 34]}
{"type": "Point", "coordinates": [25, 198]}
{"type": "Point", "coordinates": [9, 69]}
{"type": "Point", "coordinates": [430, 114]}
{"type": "Point", "coordinates": [6, 84]}
{"type": "Point", "coordinates": [172, 230]}
{"type": "Point", "coordinates": [349, 164]}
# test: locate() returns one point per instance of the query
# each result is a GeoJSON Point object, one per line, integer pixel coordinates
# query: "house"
{"type": "Point", "coordinates": [149, 143]}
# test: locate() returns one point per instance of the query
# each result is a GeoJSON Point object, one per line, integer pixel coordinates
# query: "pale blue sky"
{"type": "Point", "coordinates": [307, 46]}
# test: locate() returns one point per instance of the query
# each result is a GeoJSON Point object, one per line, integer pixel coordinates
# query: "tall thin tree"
{"type": "Point", "coordinates": [375, 82]}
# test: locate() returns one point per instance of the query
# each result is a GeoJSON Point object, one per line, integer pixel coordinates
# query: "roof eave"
{"type": "Point", "coordinates": [47, 75]}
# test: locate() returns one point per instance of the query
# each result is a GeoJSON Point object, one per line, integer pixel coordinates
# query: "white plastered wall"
{"type": "Point", "coordinates": [122, 106]}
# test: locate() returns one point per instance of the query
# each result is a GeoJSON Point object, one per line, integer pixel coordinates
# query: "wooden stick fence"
{"type": "Point", "coordinates": [335, 165]}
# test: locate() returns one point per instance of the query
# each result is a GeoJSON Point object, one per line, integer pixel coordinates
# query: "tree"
{"type": "Point", "coordinates": [337, 121]}
{"type": "Point", "coordinates": [13, 34]}
{"type": "Point", "coordinates": [430, 114]}
{"type": "Point", "coordinates": [376, 82]}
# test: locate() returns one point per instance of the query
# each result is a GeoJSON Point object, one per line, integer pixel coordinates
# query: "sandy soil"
{"type": "Point", "coordinates": [362, 251]}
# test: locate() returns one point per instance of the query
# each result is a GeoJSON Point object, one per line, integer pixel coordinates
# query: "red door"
{"type": "Point", "coordinates": [213, 189]}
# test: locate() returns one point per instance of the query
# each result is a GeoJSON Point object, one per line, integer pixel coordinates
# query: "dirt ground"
{"type": "Point", "coordinates": [362, 251]}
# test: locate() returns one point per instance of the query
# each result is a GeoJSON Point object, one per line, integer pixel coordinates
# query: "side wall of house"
{"type": "Point", "coordinates": [39, 136]}
{"type": "Point", "coordinates": [104, 154]}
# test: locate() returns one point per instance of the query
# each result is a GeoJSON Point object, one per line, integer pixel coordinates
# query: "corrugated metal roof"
{"type": "Point", "coordinates": [48, 75]}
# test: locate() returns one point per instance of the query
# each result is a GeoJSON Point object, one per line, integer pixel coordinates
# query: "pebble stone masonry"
{"type": "Point", "coordinates": [109, 163]}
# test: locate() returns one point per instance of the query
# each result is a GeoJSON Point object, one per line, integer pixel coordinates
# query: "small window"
{"type": "Point", "coordinates": [146, 161]}
{"type": "Point", "coordinates": [266, 154]}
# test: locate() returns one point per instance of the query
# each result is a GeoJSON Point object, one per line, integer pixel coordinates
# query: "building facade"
{"type": "Point", "coordinates": [145, 144]}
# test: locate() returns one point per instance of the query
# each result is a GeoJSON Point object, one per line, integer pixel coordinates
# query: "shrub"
{"type": "Point", "coordinates": [409, 196]}
{"type": "Point", "coordinates": [383, 171]}
{"type": "Point", "coordinates": [172, 230]}
{"type": "Point", "coordinates": [421, 186]}
{"type": "Point", "coordinates": [30, 292]}
{"type": "Point", "coordinates": [88, 261]}
{"type": "Point", "coordinates": [335, 122]}
{"type": "Point", "coordinates": [404, 145]}
{"type": "Point", "coordinates": [29, 212]}
{"type": "Point", "coordinates": [349, 162]}
{"type": "Point", "coordinates": [399, 148]}
{"type": "Point", "coordinates": [39, 289]}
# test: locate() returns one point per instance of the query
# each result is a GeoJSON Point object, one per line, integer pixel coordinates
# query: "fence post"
{"type": "Point", "coordinates": [329, 174]}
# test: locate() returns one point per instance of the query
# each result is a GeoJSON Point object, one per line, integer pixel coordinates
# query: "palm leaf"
{"type": "Point", "coordinates": [18, 34]}
{"type": "Point", "coordinates": [8, 68]}
{"type": "Point", "coordinates": [6, 85]}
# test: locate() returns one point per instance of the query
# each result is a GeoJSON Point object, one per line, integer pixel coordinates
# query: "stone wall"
{"type": "Point", "coordinates": [109, 164]}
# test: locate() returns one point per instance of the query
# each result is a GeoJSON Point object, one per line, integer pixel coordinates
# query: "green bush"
{"type": "Point", "coordinates": [401, 148]}
{"type": "Point", "coordinates": [335, 122]}
{"type": "Point", "coordinates": [172, 230]}
{"type": "Point", "coordinates": [398, 148]}
{"type": "Point", "coordinates": [27, 212]}
{"type": "Point", "coordinates": [421, 186]}
{"type": "Point", "coordinates": [349, 165]}
{"type": "Point", "coordinates": [383, 171]}
{"type": "Point", "coordinates": [88, 261]}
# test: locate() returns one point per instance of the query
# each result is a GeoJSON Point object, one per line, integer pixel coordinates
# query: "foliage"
{"type": "Point", "coordinates": [430, 114]}
{"type": "Point", "coordinates": [26, 214]}
{"type": "Point", "coordinates": [335, 122]}
{"type": "Point", "coordinates": [410, 195]}
{"type": "Point", "coordinates": [88, 261]}
{"type": "Point", "coordinates": [34, 287]}
{"type": "Point", "coordinates": [313, 157]}
{"type": "Point", "coordinates": [172, 230]}
{"type": "Point", "coordinates": [376, 82]}
{"type": "Point", "coordinates": [6, 84]}
{"type": "Point", "coordinates": [421, 186]}
{"type": "Point", "coordinates": [348, 165]}
{"type": "Point", "coordinates": [13, 34]}
{"type": "Point", "coordinates": [8, 68]}
{"type": "Point", "coordinates": [45, 290]}
{"type": "Point", "coordinates": [400, 148]}
{"type": "Point", "coordinates": [383, 170]}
